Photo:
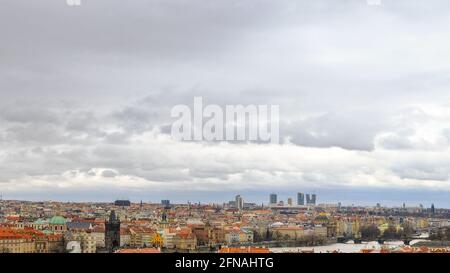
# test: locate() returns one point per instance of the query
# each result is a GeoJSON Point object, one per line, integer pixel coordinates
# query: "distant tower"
{"type": "Point", "coordinates": [239, 202]}
{"type": "Point", "coordinates": [273, 199]}
{"type": "Point", "coordinates": [164, 223]}
{"type": "Point", "coordinates": [300, 199]}
{"type": "Point", "coordinates": [112, 232]}
{"type": "Point", "coordinates": [432, 208]}
{"type": "Point", "coordinates": [289, 201]}
{"type": "Point", "coordinates": [164, 217]}
{"type": "Point", "coordinates": [311, 199]}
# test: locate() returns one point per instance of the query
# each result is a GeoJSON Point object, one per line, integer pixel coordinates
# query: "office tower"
{"type": "Point", "coordinates": [166, 203]}
{"type": "Point", "coordinates": [300, 199]}
{"type": "Point", "coordinates": [290, 201]}
{"type": "Point", "coordinates": [239, 202]}
{"type": "Point", "coordinates": [313, 199]}
{"type": "Point", "coordinates": [273, 199]}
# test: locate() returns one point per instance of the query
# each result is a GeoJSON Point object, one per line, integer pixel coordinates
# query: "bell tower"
{"type": "Point", "coordinates": [112, 232]}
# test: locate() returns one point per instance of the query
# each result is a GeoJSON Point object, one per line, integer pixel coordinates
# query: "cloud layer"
{"type": "Point", "coordinates": [86, 93]}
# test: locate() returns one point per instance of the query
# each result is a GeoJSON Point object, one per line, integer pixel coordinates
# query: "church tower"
{"type": "Point", "coordinates": [164, 223]}
{"type": "Point", "coordinates": [112, 233]}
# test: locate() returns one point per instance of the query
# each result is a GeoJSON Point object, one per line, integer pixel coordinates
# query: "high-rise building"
{"type": "Point", "coordinates": [311, 199]}
{"type": "Point", "coordinates": [300, 199]}
{"type": "Point", "coordinates": [290, 201]}
{"type": "Point", "coordinates": [239, 202]}
{"type": "Point", "coordinates": [166, 203]}
{"type": "Point", "coordinates": [273, 199]}
{"type": "Point", "coordinates": [112, 232]}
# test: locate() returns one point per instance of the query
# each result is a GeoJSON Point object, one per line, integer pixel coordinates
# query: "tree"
{"type": "Point", "coordinates": [391, 233]}
{"type": "Point", "coordinates": [369, 232]}
{"type": "Point", "coordinates": [447, 234]}
{"type": "Point", "coordinates": [269, 235]}
{"type": "Point", "coordinates": [157, 240]}
{"type": "Point", "coordinates": [257, 236]}
{"type": "Point", "coordinates": [408, 229]}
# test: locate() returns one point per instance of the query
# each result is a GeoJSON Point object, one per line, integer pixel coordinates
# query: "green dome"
{"type": "Point", "coordinates": [57, 220]}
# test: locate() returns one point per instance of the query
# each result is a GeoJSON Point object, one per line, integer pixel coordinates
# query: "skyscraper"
{"type": "Point", "coordinates": [239, 202]}
{"type": "Point", "coordinates": [300, 199]}
{"type": "Point", "coordinates": [166, 203]}
{"type": "Point", "coordinates": [311, 199]}
{"type": "Point", "coordinates": [273, 199]}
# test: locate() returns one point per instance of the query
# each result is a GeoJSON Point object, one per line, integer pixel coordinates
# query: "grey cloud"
{"type": "Point", "coordinates": [81, 88]}
{"type": "Point", "coordinates": [346, 129]}
{"type": "Point", "coordinates": [109, 173]}
{"type": "Point", "coordinates": [27, 112]}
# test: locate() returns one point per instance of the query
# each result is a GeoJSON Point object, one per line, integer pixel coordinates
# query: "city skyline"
{"type": "Point", "coordinates": [281, 198]}
{"type": "Point", "coordinates": [236, 227]}
{"type": "Point", "coordinates": [85, 99]}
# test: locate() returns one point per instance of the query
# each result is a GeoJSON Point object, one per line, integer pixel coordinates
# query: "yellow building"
{"type": "Point", "coordinates": [141, 237]}
{"type": "Point", "coordinates": [288, 233]}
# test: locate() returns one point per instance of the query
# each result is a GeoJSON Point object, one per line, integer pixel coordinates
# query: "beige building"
{"type": "Point", "coordinates": [86, 240]}
{"type": "Point", "coordinates": [141, 237]}
{"type": "Point", "coordinates": [320, 231]}
{"type": "Point", "coordinates": [98, 233]}
{"type": "Point", "coordinates": [15, 244]}
{"type": "Point", "coordinates": [185, 241]}
{"type": "Point", "coordinates": [288, 233]}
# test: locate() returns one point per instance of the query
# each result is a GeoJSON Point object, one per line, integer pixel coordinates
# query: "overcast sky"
{"type": "Point", "coordinates": [86, 94]}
